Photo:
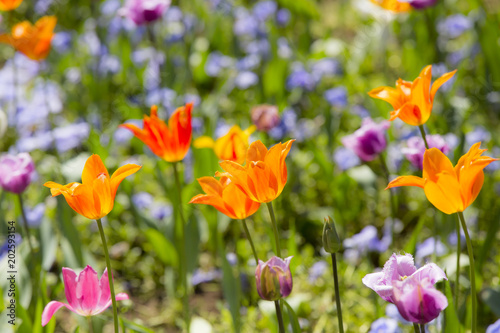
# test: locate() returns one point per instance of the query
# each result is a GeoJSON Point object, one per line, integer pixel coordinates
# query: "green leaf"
{"type": "Point", "coordinates": [412, 243]}
{"type": "Point", "coordinates": [48, 243]}
{"type": "Point", "coordinates": [301, 7]}
{"type": "Point", "coordinates": [451, 322]}
{"type": "Point", "coordinates": [136, 327]}
{"type": "Point", "coordinates": [231, 290]}
{"type": "Point", "coordinates": [294, 321]}
{"type": "Point", "coordinates": [491, 298]}
{"type": "Point", "coordinates": [163, 248]}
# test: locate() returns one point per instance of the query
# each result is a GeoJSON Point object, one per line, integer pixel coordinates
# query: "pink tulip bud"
{"type": "Point", "coordinates": [16, 172]}
{"type": "Point", "coordinates": [274, 279]}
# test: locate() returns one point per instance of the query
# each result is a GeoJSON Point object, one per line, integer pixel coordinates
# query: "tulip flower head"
{"type": "Point", "coordinates": [265, 117]}
{"type": "Point", "coordinates": [87, 295]}
{"type": "Point", "coordinates": [232, 147]}
{"type": "Point", "coordinates": [274, 279]}
{"type": "Point", "coordinates": [32, 40]}
{"type": "Point", "coordinates": [331, 240]}
{"type": "Point", "coordinates": [170, 142]}
{"type": "Point", "coordinates": [6, 5]}
{"type": "Point", "coordinates": [450, 189]}
{"type": "Point", "coordinates": [226, 197]}
{"type": "Point", "coordinates": [264, 175]}
{"type": "Point", "coordinates": [144, 11]}
{"type": "Point", "coordinates": [95, 196]}
{"type": "Point", "coordinates": [369, 140]}
{"type": "Point", "coordinates": [412, 101]}
{"type": "Point", "coordinates": [16, 172]}
{"type": "Point", "coordinates": [393, 5]}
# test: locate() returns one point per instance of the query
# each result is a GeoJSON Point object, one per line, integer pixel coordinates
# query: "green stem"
{"type": "Point", "coordinates": [182, 251]}
{"type": "Point", "coordinates": [110, 274]}
{"type": "Point", "coordinates": [89, 320]}
{"type": "Point", "coordinates": [457, 273]}
{"type": "Point", "coordinates": [280, 317]}
{"type": "Point", "coordinates": [391, 196]}
{"type": "Point", "coordinates": [422, 131]}
{"type": "Point", "coordinates": [337, 292]}
{"type": "Point", "coordinates": [422, 328]}
{"type": "Point", "coordinates": [472, 272]}
{"type": "Point", "coordinates": [275, 228]}
{"type": "Point", "coordinates": [247, 232]}
{"type": "Point", "coordinates": [25, 224]}
{"type": "Point", "coordinates": [415, 327]}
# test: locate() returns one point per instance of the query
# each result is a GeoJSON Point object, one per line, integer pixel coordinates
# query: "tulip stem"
{"type": "Point", "coordinates": [422, 328]}
{"type": "Point", "coordinates": [247, 232]}
{"type": "Point", "coordinates": [457, 273]}
{"type": "Point", "coordinates": [422, 131]}
{"type": "Point", "coordinates": [415, 327]}
{"type": "Point", "coordinates": [89, 320]}
{"type": "Point", "coordinates": [391, 197]}
{"type": "Point", "coordinates": [275, 228]}
{"type": "Point", "coordinates": [280, 316]}
{"type": "Point", "coordinates": [337, 292]}
{"type": "Point", "coordinates": [25, 224]}
{"type": "Point", "coordinates": [472, 272]}
{"type": "Point", "coordinates": [110, 274]}
{"type": "Point", "coordinates": [182, 250]}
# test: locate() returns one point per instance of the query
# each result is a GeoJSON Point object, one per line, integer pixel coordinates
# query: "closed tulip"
{"type": "Point", "coordinates": [274, 279]}
{"type": "Point", "coordinates": [16, 172]}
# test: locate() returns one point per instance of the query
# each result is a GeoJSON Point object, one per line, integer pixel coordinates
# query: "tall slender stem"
{"type": "Point", "coordinates": [422, 328]}
{"type": "Point", "coordinates": [182, 250]}
{"type": "Point", "coordinates": [247, 232]}
{"type": "Point", "coordinates": [280, 316]}
{"type": "Point", "coordinates": [110, 274]}
{"type": "Point", "coordinates": [472, 272]}
{"type": "Point", "coordinates": [422, 131]}
{"type": "Point", "coordinates": [89, 321]}
{"type": "Point", "coordinates": [415, 327]}
{"type": "Point", "coordinates": [337, 292]}
{"type": "Point", "coordinates": [457, 273]}
{"type": "Point", "coordinates": [25, 223]}
{"type": "Point", "coordinates": [275, 228]}
{"type": "Point", "coordinates": [391, 196]}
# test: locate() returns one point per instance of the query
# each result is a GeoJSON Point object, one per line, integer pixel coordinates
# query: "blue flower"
{"type": "Point", "coordinates": [42, 6]}
{"type": "Point", "coordinates": [384, 325]}
{"type": "Point", "coordinates": [245, 24]}
{"type": "Point", "coordinates": [428, 247]}
{"type": "Point", "coordinates": [478, 134]}
{"type": "Point", "coordinates": [71, 136]}
{"type": "Point", "coordinates": [283, 17]}
{"type": "Point", "coordinates": [142, 200]}
{"type": "Point", "coordinates": [336, 97]}
{"type": "Point", "coordinates": [246, 79]}
{"type": "Point", "coordinates": [200, 276]}
{"type": "Point", "coordinates": [317, 270]}
{"type": "Point", "coordinates": [248, 63]}
{"type": "Point", "coordinates": [494, 328]}
{"type": "Point", "coordinates": [300, 78]}
{"type": "Point", "coordinates": [35, 215]}
{"type": "Point", "coordinates": [5, 247]}
{"type": "Point", "coordinates": [264, 9]}
{"type": "Point", "coordinates": [216, 62]}
{"type": "Point", "coordinates": [365, 241]}
{"type": "Point", "coordinates": [160, 211]}
{"type": "Point", "coordinates": [454, 26]}
{"type": "Point", "coordinates": [345, 158]}
{"type": "Point", "coordinates": [61, 42]}
{"type": "Point", "coordinates": [325, 67]}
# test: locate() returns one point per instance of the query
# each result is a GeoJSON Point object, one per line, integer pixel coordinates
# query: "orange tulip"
{"type": "Point", "coordinates": [450, 189]}
{"type": "Point", "coordinates": [393, 5]}
{"type": "Point", "coordinates": [170, 142]}
{"type": "Point", "coordinates": [233, 146]}
{"type": "Point", "coordinates": [6, 5]}
{"type": "Point", "coordinates": [412, 101]}
{"type": "Point", "coordinates": [94, 198]}
{"type": "Point", "coordinates": [32, 40]}
{"type": "Point", "coordinates": [264, 175]}
{"type": "Point", "coordinates": [226, 197]}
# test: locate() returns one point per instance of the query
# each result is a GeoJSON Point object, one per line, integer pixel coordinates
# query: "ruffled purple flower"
{"type": "Point", "coordinates": [16, 172]}
{"type": "Point", "coordinates": [369, 140]}
{"type": "Point", "coordinates": [414, 152]}
{"type": "Point", "coordinates": [274, 279]}
{"type": "Point", "coordinates": [144, 11]}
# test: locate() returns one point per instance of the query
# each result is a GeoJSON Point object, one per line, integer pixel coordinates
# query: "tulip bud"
{"type": "Point", "coordinates": [265, 117]}
{"type": "Point", "coordinates": [331, 240]}
{"type": "Point", "coordinates": [16, 172]}
{"type": "Point", "coordinates": [274, 279]}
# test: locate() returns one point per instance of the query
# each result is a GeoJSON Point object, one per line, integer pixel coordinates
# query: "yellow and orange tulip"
{"type": "Point", "coordinates": [95, 197]}
{"type": "Point", "coordinates": [412, 101]}
{"type": "Point", "coordinates": [450, 189]}
{"type": "Point", "coordinates": [170, 142]}
{"type": "Point", "coordinates": [32, 40]}
{"type": "Point", "coordinates": [232, 147]}
{"type": "Point", "coordinates": [226, 197]}
{"type": "Point", "coordinates": [264, 175]}
{"type": "Point", "coordinates": [6, 5]}
{"type": "Point", "coordinates": [393, 5]}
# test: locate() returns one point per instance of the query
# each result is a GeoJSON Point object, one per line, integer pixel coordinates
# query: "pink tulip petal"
{"type": "Point", "coordinates": [69, 278]}
{"type": "Point", "coordinates": [50, 310]}
{"type": "Point", "coordinates": [119, 297]}
{"type": "Point", "coordinates": [105, 292]}
{"type": "Point", "coordinates": [88, 291]}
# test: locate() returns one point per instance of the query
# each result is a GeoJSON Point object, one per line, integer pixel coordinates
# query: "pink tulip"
{"type": "Point", "coordinates": [85, 293]}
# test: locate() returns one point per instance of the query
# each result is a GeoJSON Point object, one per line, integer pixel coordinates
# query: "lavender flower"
{"type": "Point", "coordinates": [300, 78]}
{"type": "Point", "coordinates": [283, 17]}
{"type": "Point", "coordinates": [262, 10]}
{"type": "Point", "coordinates": [384, 325]}
{"type": "Point", "coordinates": [144, 11]}
{"type": "Point", "coordinates": [369, 140]}
{"type": "Point", "coordinates": [35, 215]}
{"type": "Point", "coordinates": [428, 247]}
{"type": "Point", "coordinates": [71, 136]}
{"type": "Point", "coordinates": [336, 97]}
{"type": "Point", "coordinates": [345, 158]}
{"type": "Point", "coordinates": [142, 200]}
{"type": "Point", "coordinates": [454, 26]}
{"type": "Point", "coordinates": [16, 172]}
{"type": "Point", "coordinates": [317, 270]}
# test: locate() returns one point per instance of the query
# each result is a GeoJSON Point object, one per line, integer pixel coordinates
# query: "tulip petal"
{"type": "Point", "coordinates": [435, 162]}
{"type": "Point", "coordinates": [92, 169]}
{"type": "Point", "coordinates": [88, 291]}
{"type": "Point", "coordinates": [444, 193]}
{"type": "Point", "coordinates": [70, 282]}
{"type": "Point", "coordinates": [431, 271]}
{"type": "Point", "coordinates": [120, 174]}
{"type": "Point", "coordinates": [103, 201]}
{"type": "Point", "coordinates": [119, 297]}
{"type": "Point", "coordinates": [256, 152]}
{"type": "Point", "coordinates": [388, 94]}
{"type": "Point", "coordinates": [439, 82]}
{"type": "Point", "coordinates": [406, 181]}
{"type": "Point", "coordinates": [49, 311]}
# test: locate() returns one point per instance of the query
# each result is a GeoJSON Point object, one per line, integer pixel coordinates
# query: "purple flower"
{"type": "Point", "coordinates": [246, 79]}
{"type": "Point", "coordinates": [345, 158]}
{"type": "Point", "coordinates": [142, 200]}
{"type": "Point", "coordinates": [494, 328]}
{"type": "Point", "coordinates": [454, 26]}
{"type": "Point", "coordinates": [160, 211]}
{"type": "Point", "coordinates": [416, 148]}
{"type": "Point", "coordinates": [11, 240]}
{"type": "Point", "coordinates": [71, 136]}
{"type": "Point", "coordinates": [336, 97]}
{"type": "Point", "coordinates": [264, 9]}
{"type": "Point", "coordinates": [428, 247]}
{"type": "Point", "coordinates": [421, 4]}
{"type": "Point", "coordinates": [200, 276]}
{"type": "Point", "coordinates": [283, 17]}
{"type": "Point", "coordinates": [369, 140]}
{"type": "Point", "coordinates": [274, 279]}
{"type": "Point", "coordinates": [317, 270]}
{"type": "Point", "coordinates": [325, 67]}
{"type": "Point", "coordinates": [144, 11]}
{"type": "Point", "coordinates": [16, 172]}
{"type": "Point", "coordinates": [61, 41]}
{"type": "Point", "coordinates": [384, 325]}
{"type": "Point", "coordinates": [35, 215]}
{"type": "Point", "coordinates": [399, 268]}
{"type": "Point", "coordinates": [478, 134]}
{"type": "Point", "coordinates": [216, 62]}
{"type": "Point", "coordinates": [366, 241]}
{"type": "Point", "coordinates": [300, 78]}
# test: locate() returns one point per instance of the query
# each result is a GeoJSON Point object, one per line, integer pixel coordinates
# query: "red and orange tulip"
{"type": "Point", "coordinates": [226, 197]}
{"type": "Point", "coordinates": [170, 142]}
{"type": "Point", "coordinates": [232, 147]}
{"type": "Point", "coordinates": [450, 189]}
{"type": "Point", "coordinates": [393, 5]}
{"type": "Point", "coordinates": [95, 197]}
{"type": "Point", "coordinates": [264, 175]}
{"type": "Point", "coordinates": [32, 40]}
{"type": "Point", "coordinates": [6, 5]}
{"type": "Point", "coordinates": [412, 101]}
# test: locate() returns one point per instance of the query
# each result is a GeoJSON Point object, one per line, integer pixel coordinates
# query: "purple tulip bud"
{"type": "Point", "coordinates": [16, 172]}
{"type": "Point", "coordinates": [416, 148]}
{"type": "Point", "coordinates": [144, 11]}
{"type": "Point", "coordinates": [418, 300]}
{"type": "Point", "coordinates": [265, 117]}
{"type": "Point", "coordinates": [422, 4]}
{"type": "Point", "coordinates": [274, 279]}
{"type": "Point", "coordinates": [369, 140]}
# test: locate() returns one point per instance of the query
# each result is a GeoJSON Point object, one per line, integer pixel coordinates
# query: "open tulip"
{"type": "Point", "coordinates": [6, 5]}
{"type": "Point", "coordinates": [393, 5]}
{"type": "Point", "coordinates": [87, 295]}
{"type": "Point", "coordinates": [264, 175]}
{"type": "Point", "coordinates": [450, 189]}
{"type": "Point", "coordinates": [232, 147]}
{"type": "Point", "coordinates": [369, 140]}
{"type": "Point", "coordinates": [170, 142]}
{"type": "Point", "coordinates": [16, 172]}
{"type": "Point", "coordinates": [226, 197]}
{"type": "Point", "coordinates": [95, 197]}
{"type": "Point", "coordinates": [274, 279]}
{"type": "Point", "coordinates": [412, 101]}
{"type": "Point", "coordinates": [32, 40]}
